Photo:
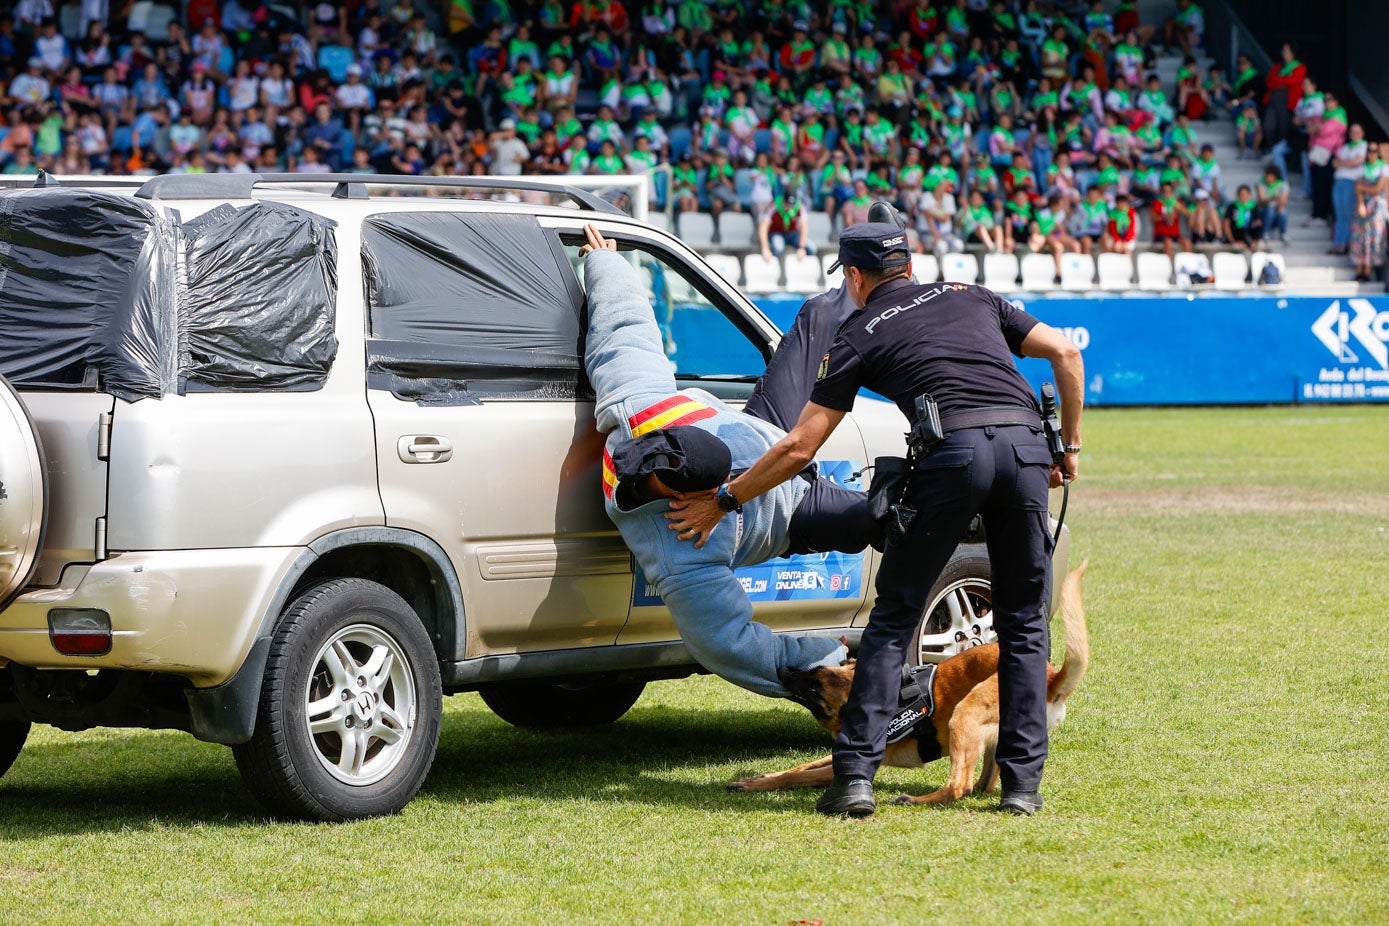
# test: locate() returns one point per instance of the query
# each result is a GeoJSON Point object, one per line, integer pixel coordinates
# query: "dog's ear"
{"type": "Point", "coordinates": [797, 679]}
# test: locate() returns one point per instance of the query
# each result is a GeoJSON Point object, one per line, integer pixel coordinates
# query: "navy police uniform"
{"type": "Point", "coordinates": [954, 343]}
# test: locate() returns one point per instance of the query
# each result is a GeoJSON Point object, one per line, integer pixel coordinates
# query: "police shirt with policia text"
{"type": "Point", "coordinates": [948, 340]}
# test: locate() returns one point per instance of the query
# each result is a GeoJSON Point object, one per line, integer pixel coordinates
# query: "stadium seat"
{"type": "Point", "coordinates": [726, 266]}
{"type": "Point", "coordinates": [925, 268]}
{"type": "Point", "coordinates": [157, 21]}
{"type": "Point", "coordinates": [761, 275]}
{"type": "Point", "coordinates": [680, 139]}
{"type": "Point", "coordinates": [334, 59]}
{"type": "Point", "coordinates": [827, 261]}
{"type": "Point", "coordinates": [659, 219]}
{"type": "Point", "coordinates": [696, 229]}
{"type": "Point", "coordinates": [1258, 259]}
{"type": "Point", "coordinates": [803, 274]}
{"type": "Point", "coordinates": [1116, 271]}
{"type": "Point", "coordinates": [1038, 272]}
{"type": "Point", "coordinates": [1077, 272]}
{"type": "Point", "coordinates": [736, 230]}
{"type": "Point", "coordinates": [820, 230]}
{"type": "Point", "coordinates": [1001, 271]}
{"type": "Point", "coordinates": [1154, 270]}
{"type": "Point", "coordinates": [1231, 270]}
{"type": "Point", "coordinates": [959, 267]}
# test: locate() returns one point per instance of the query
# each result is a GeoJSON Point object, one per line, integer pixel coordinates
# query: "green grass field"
{"type": "Point", "coordinates": [1223, 761]}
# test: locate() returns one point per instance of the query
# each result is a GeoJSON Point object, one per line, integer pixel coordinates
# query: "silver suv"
{"type": "Point", "coordinates": [284, 460]}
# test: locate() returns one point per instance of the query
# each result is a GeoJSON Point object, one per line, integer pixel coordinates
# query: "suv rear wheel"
{"type": "Point", "coordinates": [957, 615]}
{"type": "Point", "coordinates": [350, 706]}
{"type": "Point", "coordinates": [12, 737]}
{"type": "Point", "coordinates": [557, 704]}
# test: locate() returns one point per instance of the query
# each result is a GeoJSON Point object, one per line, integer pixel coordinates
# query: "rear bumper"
{"type": "Point", "coordinates": [192, 613]}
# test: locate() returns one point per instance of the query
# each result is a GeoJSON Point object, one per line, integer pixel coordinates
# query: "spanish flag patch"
{"type": "Point", "coordinates": [609, 474]}
{"type": "Point", "coordinates": [669, 413]}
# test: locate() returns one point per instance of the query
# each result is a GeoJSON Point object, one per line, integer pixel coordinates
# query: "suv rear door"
{"type": "Point", "coordinates": [483, 441]}
{"type": "Point", "coordinates": [720, 343]}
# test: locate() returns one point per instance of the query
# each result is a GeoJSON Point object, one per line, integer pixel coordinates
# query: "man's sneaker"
{"type": "Point", "coordinates": [852, 796]}
{"type": "Point", "coordinates": [1022, 803]}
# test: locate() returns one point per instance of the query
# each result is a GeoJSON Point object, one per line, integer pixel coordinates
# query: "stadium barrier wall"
{"type": "Point", "coordinates": [1187, 349]}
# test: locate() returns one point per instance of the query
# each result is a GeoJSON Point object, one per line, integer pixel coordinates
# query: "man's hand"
{"type": "Point", "coordinates": [1067, 471]}
{"type": "Point", "coordinates": [695, 515]}
{"type": "Point", "coordinates": [767, 254]}
{"type": "Point", "coordinates": [596, 241]}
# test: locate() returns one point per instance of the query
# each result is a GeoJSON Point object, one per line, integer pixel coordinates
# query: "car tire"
{"type": "Point", "coordinates": [12, 737]}
{"type": "Point", "coordinates": [350, 707]}
{"type": "Point", "coordinates": [955, 617]}
{"type": "Point", "coordinates": [543, 705]}
{"type": "Point", "coordinates": [23, 494]}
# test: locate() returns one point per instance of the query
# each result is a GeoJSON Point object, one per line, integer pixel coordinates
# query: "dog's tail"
{"type": "Point", "coordinates": [1077, 637]}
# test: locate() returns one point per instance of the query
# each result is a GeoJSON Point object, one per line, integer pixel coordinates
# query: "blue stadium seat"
{"type": "Point", "coordinates": [742, 185]}
{"type": "Point", "coordinates": [334, 59]}
{"type": "Point", "coordinates": [680, 139]}
{"type": "Point", "coordinates": [762, 141]}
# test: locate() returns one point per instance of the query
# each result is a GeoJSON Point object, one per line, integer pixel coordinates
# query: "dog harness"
{"type": "Point", "coordinates": [915, 705]}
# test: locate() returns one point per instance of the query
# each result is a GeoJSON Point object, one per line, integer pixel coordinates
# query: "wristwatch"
{"type": "Point", "coordinates": [728, 501]}
{"type": "Point", "coordinates": [1071, 448]}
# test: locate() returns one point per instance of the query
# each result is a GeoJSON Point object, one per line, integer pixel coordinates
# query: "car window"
{"type": "Point", "coordinates": [701, 338]}
{"type": "Point", "coordinates": [469, 306]}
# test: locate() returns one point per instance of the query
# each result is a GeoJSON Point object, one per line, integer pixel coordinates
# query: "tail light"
{"type": "Point", "coordinates": [80, 631]}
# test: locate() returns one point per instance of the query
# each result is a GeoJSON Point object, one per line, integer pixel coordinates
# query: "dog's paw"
{"type": "Point", "coordinates": [903, 800]}
{"type": "Point", "coordinates": [740, 784]}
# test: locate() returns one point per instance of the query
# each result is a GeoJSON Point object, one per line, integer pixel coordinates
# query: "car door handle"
{"type": "Point", "coordinates": [424, 448]}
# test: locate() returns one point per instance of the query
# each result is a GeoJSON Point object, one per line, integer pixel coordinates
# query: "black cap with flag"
{"type": "Point", "coordinates": [687, 459]}
{"type": "Point", "coordinates": [872, 246]}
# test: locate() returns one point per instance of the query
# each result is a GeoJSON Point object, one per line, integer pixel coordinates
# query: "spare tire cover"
{"type": "Point", "coordinates": [23, 494]}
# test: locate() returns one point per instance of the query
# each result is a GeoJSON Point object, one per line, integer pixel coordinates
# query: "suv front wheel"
{"type": "Point", "coordinates": [350, 706]}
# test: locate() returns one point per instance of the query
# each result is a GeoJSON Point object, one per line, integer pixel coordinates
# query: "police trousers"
{"type": "Point", "coordinates": [1001, 474]}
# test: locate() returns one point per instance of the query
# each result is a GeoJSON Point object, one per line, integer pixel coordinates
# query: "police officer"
{"type": "Point", "coordinates": [952, 343]}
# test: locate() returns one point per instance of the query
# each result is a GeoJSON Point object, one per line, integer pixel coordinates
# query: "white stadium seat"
{"type": "Point", "coordinates": [819, 226]}
{"type": "Point", "coordinates": [726, 266]}
{"type": "Point", "coordinates": [1231, 270]}
{"type": "Point", "coordinates": [833, 279]}
{"type": "Point", "coordinates": [1000, 271]}
{"type": "Point", "coordinates": [803, 274]}
{"type": "Point", "coordinates": [1154, 270]}
{"type": "Point", "coordinates": [761, 275]}
{"type": "Point", "coordinates": [1077, 272]}
{"type": "Point", "coordinates": [1038, 272]}
{"type": "Point", "coordinates": [1116, 271]}
{"type": "Point", "coordinates": [959, 267]}
{"type": "Point", "coordinates": [659, 220]}
{"type": "Point", "coordinates": [696, 229]}
{"type": "Point", "coordinates": [925, 268]}
{"type": "Point", "coordinates": [736, 230]}
{"type": "Point", "coordinates": [1258, 259]}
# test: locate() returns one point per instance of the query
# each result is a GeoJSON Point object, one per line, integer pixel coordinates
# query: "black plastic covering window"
{"type": "Point", "coordinates": [471, 306]}
{"type": "Point", "coordinates": [261, 288]}
{"type": "Point", "coordinates": [92, 295]}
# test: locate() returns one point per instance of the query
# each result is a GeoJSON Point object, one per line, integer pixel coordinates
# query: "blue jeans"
{"type": "Point", "coordinates": [779, 242]}
{"type": "Point", "coordinates": [1343, 202]}
{"type": "Point", "coordinates": [1275, 220]}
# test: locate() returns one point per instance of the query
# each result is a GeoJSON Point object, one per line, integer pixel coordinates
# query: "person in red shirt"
{"type": "Point", "coordinates": [1167, 221]}
{"type": "Point", "coordinates": [1284, 93]}
{"type": "Point", "coordinates": [797, 57]}
{"type": "Point", "coordinates": [1121, 234]}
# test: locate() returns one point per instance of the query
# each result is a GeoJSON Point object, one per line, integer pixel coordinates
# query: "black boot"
{"type": "Point", "coordinates": [852, 796]}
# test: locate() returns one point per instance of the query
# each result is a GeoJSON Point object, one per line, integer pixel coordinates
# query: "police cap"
{"type": "Point", "coordinates": [872, 246]}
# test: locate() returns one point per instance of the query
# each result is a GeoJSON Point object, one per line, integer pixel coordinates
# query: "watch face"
{"type": "Point", "coordinates": [727, 502]}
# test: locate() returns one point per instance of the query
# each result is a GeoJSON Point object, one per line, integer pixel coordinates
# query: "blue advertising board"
{"type": "Point", "coordinates": [807, 577]}
{"type": "Point", "coordinates": [1210, 349]}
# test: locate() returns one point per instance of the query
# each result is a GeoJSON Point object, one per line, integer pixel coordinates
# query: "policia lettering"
{"type": "Point", "coordinates": [954, 343]}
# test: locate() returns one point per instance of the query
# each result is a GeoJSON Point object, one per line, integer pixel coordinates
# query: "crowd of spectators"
{"type": "Point", "coordinates": [992, 123]}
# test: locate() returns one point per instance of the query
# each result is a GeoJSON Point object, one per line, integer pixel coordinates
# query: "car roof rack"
{"type": "Point", "coordinates": [349, 186]}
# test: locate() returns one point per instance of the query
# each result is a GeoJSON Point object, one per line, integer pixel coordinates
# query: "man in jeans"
{"type": "Point", "coordinates": [662, 442]}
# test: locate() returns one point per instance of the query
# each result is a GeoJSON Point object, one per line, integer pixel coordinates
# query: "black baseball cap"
{"type": "Point", "coordinates": [687, 459]}
{"type": "Point", "coordinates": [872, 246]}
